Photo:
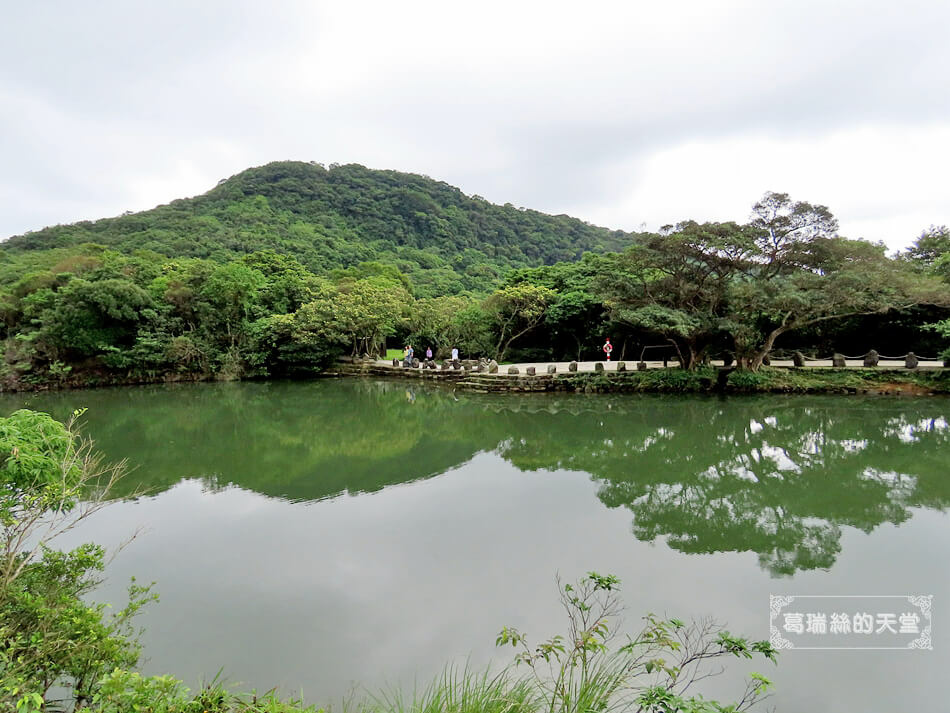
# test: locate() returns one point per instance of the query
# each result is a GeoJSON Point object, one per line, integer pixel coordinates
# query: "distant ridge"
{"type": "Point", "coordinates": [336, 217]}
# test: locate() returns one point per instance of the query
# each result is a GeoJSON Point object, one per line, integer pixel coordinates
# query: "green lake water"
{"type": "Point", "coordinates": [318, 535]}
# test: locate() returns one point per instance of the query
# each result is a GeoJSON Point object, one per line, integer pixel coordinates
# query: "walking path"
{"type": "Point", "coordinates": [562, 366]}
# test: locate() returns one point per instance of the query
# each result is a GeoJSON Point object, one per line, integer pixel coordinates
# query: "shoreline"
{"type": "Point", "coordinates": [883, 381]}
{"type": "Point", "coordinates": [887, 380]}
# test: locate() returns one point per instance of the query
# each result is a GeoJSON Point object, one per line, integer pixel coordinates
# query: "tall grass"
{"type": "Point", "coordinates": [599, 686]}
{"type": "Point", "coordinates": [458, 690]}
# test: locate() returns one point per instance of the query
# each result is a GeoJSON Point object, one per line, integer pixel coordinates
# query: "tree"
{"type": "Point", "coordinates": [278, 350]}
{"type": "Point", "coordinates": [367, 270]}
{"type": "Point", "coordinates": [675, 285]}
{"type": "Point", "coordinates": [782, 229]}
{"type": "Point", "coordinates": [930, 246]}
{"type": "Point", "coordinates": [436, 322]}
{"type": "Point", "coordinates": [86, 318]}
{"type": "Point", "coordinates": [783, 271]}
{"type": "Point", "coordinates": [576, 315]}
{"type": "Point", "coordinates": [516, 311]}
{"type": "Point", "coordinates": [231, 292]}
{"type": "Point", "coordinates": [930, 253]}
{"type": "Point", "coordinates": [943, 329]}
{"type": "Point", "coordinates": [51, 481]}
{"type": "Point", "coordinates": [835, 278]}
{"type": "Point", "coordinates": [288, 283]}
{"type": "Point", "coordinates": [357, 314]}
{"type": "Point", "coordinates": [475, 330]}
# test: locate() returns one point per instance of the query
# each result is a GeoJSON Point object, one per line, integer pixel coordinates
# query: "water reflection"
{"type": "Point", "coordinates": [772, 476]}
{"type": "Point", "coordinates": [776, 476]}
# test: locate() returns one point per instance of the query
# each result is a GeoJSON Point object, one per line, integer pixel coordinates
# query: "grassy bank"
{"type": "Point", "coordinates": [811, 380]}
{"type": "Point", "coordinates": [814, 380]}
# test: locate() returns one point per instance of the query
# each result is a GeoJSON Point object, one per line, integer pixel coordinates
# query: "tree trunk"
{"type": "Point", "coordinates": [512, 339]}
{"type": "Point", "coordinates": [693, 356]}
{"type": "Point", "coordinates": [756, 361]}
{"type": "Point", "coordinates": [682, 359]}
{"type": "Point", "coordinates": [689, 353]}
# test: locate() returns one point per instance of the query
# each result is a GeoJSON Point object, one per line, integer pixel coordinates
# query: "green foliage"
{"type": "Point", "coordinates": [182, 289]}
{"type": "Point", "coordinates": [121, 691]}
{"type": "Point", "coordinates": [786, 270]}
{"type": "Point", "coordinates": [674, 285]}
{"type": "Point", "coordinates": [459, 691]}
{"type": "Point", "coordinates": [515, 311]}
{"type": "Point", "coordinates": [770, 379]}
{"type": "Point", "coordinates": [49, 634]}
{"type": "Point", "coordinates": [446, 322]}
{"type": "Point", "coordinates": [931, 250]}
{"type": "Point", "coordinates": [661, 320]}
{"type": "Point", "coordinates": [652, 380]}
{"type": "Point", "coordinates": [86, 316]}
{"type": "Point", "coordinates": [441, 240]}
{"type": "Point", "coordinates": [52, 635]}
{"type": "Point", "coordinates": [43, 471]}
{"type": "Point", "coordinates": [475, 330]}
{"type": "Point", "coordinates": [357, 315]}
{"type": "Point", "coordinates": [576, 312]}
{"type": "Point", "coordinates": [580, 671]}
{"type": "Point", "coordinates": [196, 317]}
{"type": "Point", "coordinates": [943, 329]}
{"type": "Point", "coordinates": [282, 268]}
{"type": "Point", "coordinates": [763, 380]}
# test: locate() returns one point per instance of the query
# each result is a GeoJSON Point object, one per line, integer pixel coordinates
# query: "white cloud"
{"type": "Point", "coordinates": [882, 182]}
{"type": "Point", "coordinates": [618, 113]}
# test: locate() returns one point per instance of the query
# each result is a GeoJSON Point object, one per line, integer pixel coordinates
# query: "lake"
{"type": "Point", "coordinates": [320, 535]}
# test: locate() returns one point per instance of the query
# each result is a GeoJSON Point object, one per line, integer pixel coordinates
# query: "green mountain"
{"type": "Point", "coordinates": [337, 217]}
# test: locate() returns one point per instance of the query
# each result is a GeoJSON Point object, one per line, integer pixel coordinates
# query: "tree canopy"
{"type": "Point", "coordinates": [749, 284]}
{"type": "Point", "coordinates": [283, 268]}
{"type": "Point", "coordinates": [336, 218]}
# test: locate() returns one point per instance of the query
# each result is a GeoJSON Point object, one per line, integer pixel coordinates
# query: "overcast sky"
{"type": "Point", "coordinates": [629, 114]}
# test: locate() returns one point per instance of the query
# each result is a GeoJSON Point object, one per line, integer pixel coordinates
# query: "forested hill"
{"type": "Point", "coordinates": [444, 241]}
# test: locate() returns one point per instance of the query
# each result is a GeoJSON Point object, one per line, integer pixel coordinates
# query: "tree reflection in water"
{"type": "Point", "coordinates": [775, 476]}
{"type": "Point", "coordinates": [778, 476]}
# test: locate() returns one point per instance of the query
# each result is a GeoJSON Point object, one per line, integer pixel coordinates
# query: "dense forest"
{"type": "Point", "coordinates": [283, 268]}
{"type": "Point", "coordinates": [445, 242]}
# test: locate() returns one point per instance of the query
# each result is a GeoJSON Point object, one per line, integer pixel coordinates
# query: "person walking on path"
{"type": "Point", "coordinates": [428, 352]}
{"type": "Point", "coordinates": [608, 347]}
{"type": "Point", "coordinates": [455, 354]}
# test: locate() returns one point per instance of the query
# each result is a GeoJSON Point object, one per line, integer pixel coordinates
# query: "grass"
{"type": "Point", "coordinates": [766, 380]}
{"type": "Point", "coordinates": [839, 380]}
{"type": "Point", "coordinates": [458, 691]}
{"type": "Point", "coordinates": [652, 380]}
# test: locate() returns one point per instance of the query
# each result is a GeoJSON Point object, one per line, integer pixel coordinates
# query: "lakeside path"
{"type": "Point", "coordinates": [562, 366]}
{"type": "Point", "coordinates": [890, 377]}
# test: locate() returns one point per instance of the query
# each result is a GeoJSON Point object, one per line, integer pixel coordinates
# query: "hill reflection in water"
{"type": "Point", "coordinates": [778, 476]}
